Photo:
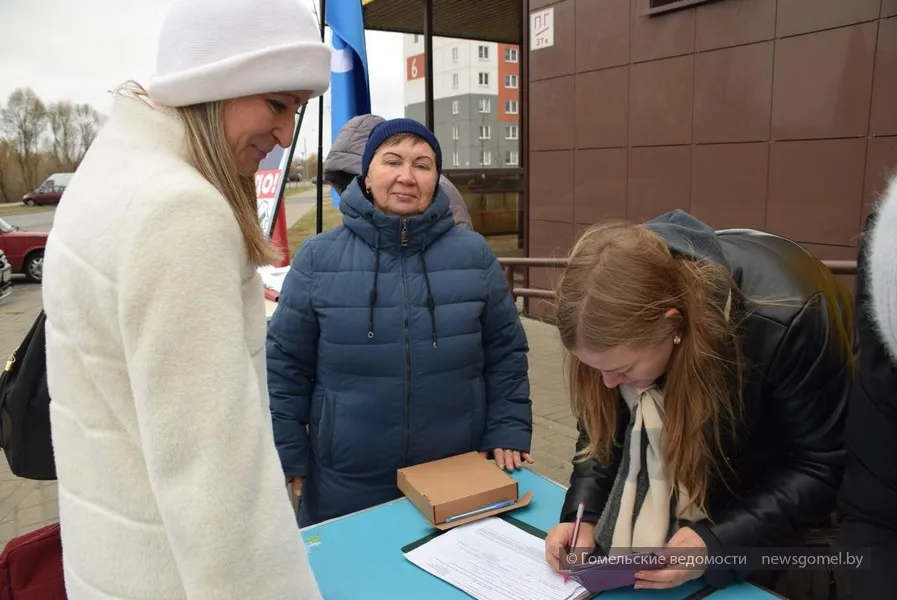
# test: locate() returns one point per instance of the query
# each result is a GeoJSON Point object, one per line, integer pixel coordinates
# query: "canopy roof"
{"type": "Point", "coordinates": [485, 20]}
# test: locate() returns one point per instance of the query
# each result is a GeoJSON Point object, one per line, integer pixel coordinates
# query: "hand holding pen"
{"type": "Point", "coordinates": [576, 526]}
{"type": "Point", "coordinates": [562, 548]}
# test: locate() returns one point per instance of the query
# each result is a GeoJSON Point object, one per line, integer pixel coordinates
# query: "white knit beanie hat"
{"type": "Point", "coordinates": [882, 261]}
{"type": "Point", "coordinates": [219, 49]}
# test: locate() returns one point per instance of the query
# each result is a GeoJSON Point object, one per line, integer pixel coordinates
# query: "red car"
{"type": "Point", "coordinates": [50, 191]}
{"type": "Point", "coordinates": [24, 250]}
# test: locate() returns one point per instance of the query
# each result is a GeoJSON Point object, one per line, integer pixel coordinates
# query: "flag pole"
{"type": "Point", "coordinates": [279, 226]}
{"type": "Point", "coordinates": [319, 221]}
{"type": "Point", "coordinates": [428, 64]}
{"type": "Point", "coordinates": [292, 149]}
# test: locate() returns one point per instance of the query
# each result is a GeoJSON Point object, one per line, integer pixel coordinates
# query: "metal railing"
{"type": "Point", "coordinates": [511, 265]}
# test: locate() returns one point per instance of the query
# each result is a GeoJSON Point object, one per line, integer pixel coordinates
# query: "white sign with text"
{"type": "Point", "coordinates": [541, 28]}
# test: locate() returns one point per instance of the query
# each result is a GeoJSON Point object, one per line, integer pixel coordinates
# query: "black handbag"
{"type": "Point", "coordinates": [25, 408]}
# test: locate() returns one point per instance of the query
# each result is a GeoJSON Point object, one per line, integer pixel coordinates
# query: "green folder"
{"type": "Point", "coordinates": [701, 592]}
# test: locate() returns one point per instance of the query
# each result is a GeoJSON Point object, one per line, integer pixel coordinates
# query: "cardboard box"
{"type": "Point", "coordinates": [459, 484]}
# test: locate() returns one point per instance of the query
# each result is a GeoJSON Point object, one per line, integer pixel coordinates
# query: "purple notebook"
{"type": "Point", "coordinates": [599, 575]}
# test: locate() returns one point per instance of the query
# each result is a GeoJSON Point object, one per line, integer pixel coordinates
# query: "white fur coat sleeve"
{"type": "Point", "coordinates": [202, 411]}
{"type": "Point", "coordinates": [882, 262]}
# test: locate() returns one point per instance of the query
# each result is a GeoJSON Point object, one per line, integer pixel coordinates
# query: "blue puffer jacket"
{"type": "Point", "coordinates": [395, 342]}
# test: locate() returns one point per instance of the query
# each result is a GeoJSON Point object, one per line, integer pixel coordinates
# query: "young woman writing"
{"type": "Point", "coordinates": [709, 373]}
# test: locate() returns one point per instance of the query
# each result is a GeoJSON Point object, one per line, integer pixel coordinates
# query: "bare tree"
{"type": "Point", "coordinates": [37, 140]}
{"type": "Point", "coordinates": [64, 134]}
{"type": "Point", "coordinates": [25, 120]}
{"type": "Point", "coordinates": [88, 122]}
{"type": "Point", "coordinates": [6, 175]}
{"type": "Point", "coordinates": [311, 165]}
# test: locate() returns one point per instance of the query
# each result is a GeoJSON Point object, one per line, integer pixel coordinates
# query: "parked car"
{"type": "Point", "coordinates": [5, 276]}
{"type": "Point", "coordinates": [24, 250]}
{"type": "Point", "coordinates": [50, 191]}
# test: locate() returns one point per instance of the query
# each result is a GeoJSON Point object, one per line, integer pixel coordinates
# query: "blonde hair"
{"type": "Point", "coordinates": [620, 283]}
{"type": "Point", "coordinates": [208, 151]}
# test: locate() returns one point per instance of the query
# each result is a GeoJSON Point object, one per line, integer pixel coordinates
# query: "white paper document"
{"type": "Point", "coordinates": [494, 560]}
{"type": "Point", "coordinates": [272, 277]}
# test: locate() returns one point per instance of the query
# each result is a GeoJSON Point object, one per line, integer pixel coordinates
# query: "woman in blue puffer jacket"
{"type": "Point", "coordinates": [395, 341]}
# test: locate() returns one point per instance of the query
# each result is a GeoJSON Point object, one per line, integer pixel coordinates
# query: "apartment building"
{"type": "Point", "coordinates": [476, 92]}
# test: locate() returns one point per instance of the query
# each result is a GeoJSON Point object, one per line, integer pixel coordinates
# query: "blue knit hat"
{"type": "Point", "coordinates": [387, 129]}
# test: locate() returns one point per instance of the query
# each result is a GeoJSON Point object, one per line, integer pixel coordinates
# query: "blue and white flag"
{"type": "Point", "coordinates": [350, 92]}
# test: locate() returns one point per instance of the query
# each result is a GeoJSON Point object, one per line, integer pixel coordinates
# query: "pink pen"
{"type": "Point", "coordinates": [579, 512]}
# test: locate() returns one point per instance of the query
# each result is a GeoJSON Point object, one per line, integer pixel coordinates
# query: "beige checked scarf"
{"type": "Point", "coordinates": [643, 509]}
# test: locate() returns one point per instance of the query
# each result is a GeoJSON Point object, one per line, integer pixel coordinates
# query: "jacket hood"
{"type": "Point", "coordinates": [687, 236]}
{"type": "Point", "coordinates": [348, 147]}
{"type": "Point", "coordinates": [382, 231]}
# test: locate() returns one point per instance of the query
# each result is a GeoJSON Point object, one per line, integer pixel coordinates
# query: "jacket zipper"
{"type": "Point", "coordinates": [403, 238]}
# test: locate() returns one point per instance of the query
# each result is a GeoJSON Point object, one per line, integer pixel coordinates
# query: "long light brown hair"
{"type": "Point", "coordinates": [617, 289]}
{"type": "Point", "coordinates": [210, 154]}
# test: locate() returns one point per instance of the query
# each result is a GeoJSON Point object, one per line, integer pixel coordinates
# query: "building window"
{"type": "Point", "coordinates": [456, 161]}
{"type": "Point", "coordinates": [456, 54]}
{"type": "Point", "coordinates": [454, 81]}
{"type": "Point", "coordinates": [511, 107]}
{"type": "Point", "coordinates": [511, 158]}
{"type": "Point", "coordinates": [485, 105]}
{"type": "Point", "coordinates": [511, 132]}
{"type": "Point", "coordinates": [484, 78]}
{"type": "Point", "coordinates": [485, 158]}
{"type": "Point", "coordinates": [484, 52]}
{"type": "Point", "coordinates": [455, 109]}
{"type": "Point", "coordinates": [510, 81]}
{"type": "Point", "coordinates": [455, 135]}
{"type": "Point", "coordinates": [511, 55]}
{"type": "Point", "coordinates": [485, 132]}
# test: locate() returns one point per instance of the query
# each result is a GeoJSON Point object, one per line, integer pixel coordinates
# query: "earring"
{"type": "Point", "coordinates": [676, 339]}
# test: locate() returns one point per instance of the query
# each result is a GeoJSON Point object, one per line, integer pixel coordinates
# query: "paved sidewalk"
{"type": "Point", "coordinates": [17, 313]}
{"type": "Point", "coordinates": [554, 427]}
{"type": "Point", "coordinates": [24, 505]}
{"type": "Point", "coordinates": [298, 204]}
{"type": "Point", "coordinates": [27, 505]}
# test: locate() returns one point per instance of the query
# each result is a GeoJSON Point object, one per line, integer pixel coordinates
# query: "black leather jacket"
{"type": "Point", "coordinates": [788, 458]}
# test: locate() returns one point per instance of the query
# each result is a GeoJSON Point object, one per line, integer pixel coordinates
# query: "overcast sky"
{"type": "Point", "coordinates": [78, 50]}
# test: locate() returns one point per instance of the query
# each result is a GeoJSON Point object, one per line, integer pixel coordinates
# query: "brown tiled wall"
{"type": "Point", "coordinates": [773, 114]}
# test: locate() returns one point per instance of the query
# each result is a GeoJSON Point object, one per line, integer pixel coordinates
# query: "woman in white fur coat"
{"type": "Point", "coordinates": [867, 503]}
{"type": "Point", "coordinates": [883, 267]}
{"type": "Point", "coordinates": [169, 482]}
